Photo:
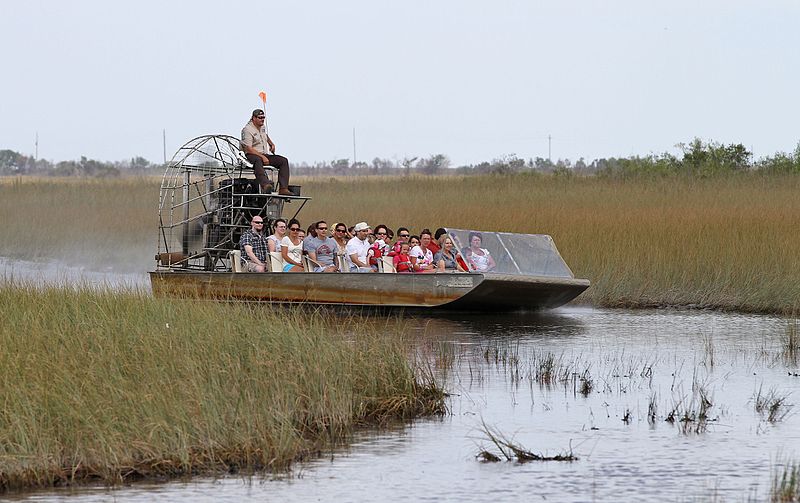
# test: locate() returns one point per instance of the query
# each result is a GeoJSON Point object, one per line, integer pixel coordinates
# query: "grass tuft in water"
{"type": "Point", "coordinates": [786, 484]}
{"type": "Point", "coordinates": [791, 343]}
{"type": "Point", "coordinates": [772, 405]}
{"type": "Point", "coordinates": [652, 409]}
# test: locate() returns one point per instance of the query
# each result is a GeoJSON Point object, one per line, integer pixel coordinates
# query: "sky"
{"type": "Point", "coordinates": [473, 80]}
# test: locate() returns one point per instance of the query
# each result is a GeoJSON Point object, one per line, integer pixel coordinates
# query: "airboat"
{"type": "Point", "coordinates": [209, 196]}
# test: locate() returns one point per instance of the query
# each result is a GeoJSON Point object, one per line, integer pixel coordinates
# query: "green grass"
{"type": "Point", "coordinates": [115, 387]}
{"type": "Point", "coordinates": [786, 485]}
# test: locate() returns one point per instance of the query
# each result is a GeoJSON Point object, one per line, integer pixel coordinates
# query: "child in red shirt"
{"type": "Point", "coordinates": [402, 260]}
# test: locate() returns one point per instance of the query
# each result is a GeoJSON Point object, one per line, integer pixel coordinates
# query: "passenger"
{"type": "Point", "coordinates": [478, 258]}
{"type": "Point", "coordinates": [402, 237]}
{"type": "Point", "coordinates": [321, 249]}
{"type": "Point", "coordinates": [423, 254]}
{"type": "Point", "coordinates": [357, 249]}
{"type": "Point", "coordinates": [312, 230]}
{"type": "Point", "coordinates": [436, 244]}
{"type": "Point", "coordinates": [340, 236]}
{"type": "Point", "coordinates": [413, 241]}
{"type": "Point", "coordinates": [446, 259]}
{"type": "Point", "coordinates": [274, 240]}
{"type": "Point", "coordinates": [292, 248]}
{"type": "Point", "coordinates": [402, 260]}
{"type": "Point", "coordinates": [309, 234]}
{"type": "Point", "coordinates": [380, 247]}
{"type": "Point", "coordinates": [259, 150]}
{"type": "Point", "coordinates": [254, 246]}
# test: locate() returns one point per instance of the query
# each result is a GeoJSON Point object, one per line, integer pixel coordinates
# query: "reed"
{"type": "Point", "coordinates": [791, 343]}
{"type": "Point", "coordinates": [786, 484]}
{"type": "Point", "coordinates": [118, 386]}
{"type": "Point", "coordinates": [771, 404]}
{"type": "Point", "coordinates": [83, 221]}
{"type": "Point", "coordinates": [719, 242]}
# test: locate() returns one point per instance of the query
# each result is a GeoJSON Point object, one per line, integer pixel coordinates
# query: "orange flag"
{"type": "Point", "coordinates": [263, 97]}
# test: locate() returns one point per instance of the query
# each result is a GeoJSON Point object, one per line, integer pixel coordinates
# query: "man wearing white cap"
{"type": "Point", "coordinates": [357, 249]}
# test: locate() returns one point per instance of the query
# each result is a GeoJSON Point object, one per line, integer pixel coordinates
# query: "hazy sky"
{"type": "Point", "coordinates": [475, 80]}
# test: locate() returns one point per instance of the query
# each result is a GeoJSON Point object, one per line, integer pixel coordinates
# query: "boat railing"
{"type": "Point", "coordinates": [208, 198]}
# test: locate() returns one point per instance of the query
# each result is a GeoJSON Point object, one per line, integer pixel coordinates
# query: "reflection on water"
{"type": "Point", "coordinates": [53, 273]}
{"type": "Point", "coordinates": [643, 365]}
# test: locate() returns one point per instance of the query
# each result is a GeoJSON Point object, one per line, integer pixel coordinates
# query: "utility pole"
{"type": "Point", "coordinates": [549, 149]}
{"type": "Point", "coordinates": [354, 146]}
{"type": "Point", "coordinates": [36, 147]}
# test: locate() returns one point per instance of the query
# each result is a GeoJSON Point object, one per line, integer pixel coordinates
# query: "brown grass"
{"type": "Point", "coordinates": [724, 243]}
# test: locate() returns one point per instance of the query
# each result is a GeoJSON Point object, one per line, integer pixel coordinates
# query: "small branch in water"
{"type": "Point", "coordinates": [512, 451]}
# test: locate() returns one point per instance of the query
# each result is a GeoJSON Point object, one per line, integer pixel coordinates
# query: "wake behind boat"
{"type": "Point", "coordinates": [209, 196]}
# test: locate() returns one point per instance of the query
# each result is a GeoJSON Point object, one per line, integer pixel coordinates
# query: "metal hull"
{"type": "Point", "coordinates": [449, 291]}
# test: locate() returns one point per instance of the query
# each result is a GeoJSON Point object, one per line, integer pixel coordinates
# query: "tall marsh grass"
{"type": "Point", "coordinates": [114, 387]}
{"type": "Point", "coordinates": [721, 242]}
{"type": "Point", "coordinates": [91, 222]}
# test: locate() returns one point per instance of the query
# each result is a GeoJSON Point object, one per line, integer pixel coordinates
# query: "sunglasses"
{"type": "Point", "coordinates": [322, 228]}
{"type": "Point", "coordinates": [380, 234]}
{"type": "Point", "coordinates": [404, 235]}
{"type": "Point", "coordinates": [294, 229]}
{"type": "Point", "coordinates": [258, 223]}
{"type": "Point", "coordinates": [341, 230]}
{"type": "Point", "coordinates": [260, 117]}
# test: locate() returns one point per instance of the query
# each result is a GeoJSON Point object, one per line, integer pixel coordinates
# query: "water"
{"type": "Point", "coordinates": [55, 273]}
{"type": "Point", "coordinates": [632, 358]}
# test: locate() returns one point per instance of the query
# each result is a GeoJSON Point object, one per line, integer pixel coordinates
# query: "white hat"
{"type": "Point", "coordinates": [360, 226]}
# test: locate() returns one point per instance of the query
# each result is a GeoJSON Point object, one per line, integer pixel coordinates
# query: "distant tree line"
{"type": "Point", "coordinates": [13, 163]}
{"type": "Point", "coordinates": [697, 158]}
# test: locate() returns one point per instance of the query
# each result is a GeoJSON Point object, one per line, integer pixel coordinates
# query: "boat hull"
{"type": "Point", "coordinates": [448, 291]}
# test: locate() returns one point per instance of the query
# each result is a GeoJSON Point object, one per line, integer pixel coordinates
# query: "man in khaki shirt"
{"type": "Point", "coordinates": [260, 150]}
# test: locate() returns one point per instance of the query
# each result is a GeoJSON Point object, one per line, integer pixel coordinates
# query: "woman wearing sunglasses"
{"type": "Point", "coordinates": [292, 248]}
{"type": "Point", "coordinates": [341, 237]}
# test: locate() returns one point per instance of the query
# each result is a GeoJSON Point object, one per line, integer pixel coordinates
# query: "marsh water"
{"type": "Point", "coordinates": [663, 405]}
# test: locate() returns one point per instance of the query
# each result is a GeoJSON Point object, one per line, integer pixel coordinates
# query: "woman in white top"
{"type": "Point", "coordinates": [478, 258]}
{"type": "Point", "coordinates": [292, 248]}
{"type": "Point", "coordinates": [274, 241]}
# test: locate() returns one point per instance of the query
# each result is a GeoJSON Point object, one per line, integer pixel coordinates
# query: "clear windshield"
{"type": "Point", "coordinates": [507, 253]}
